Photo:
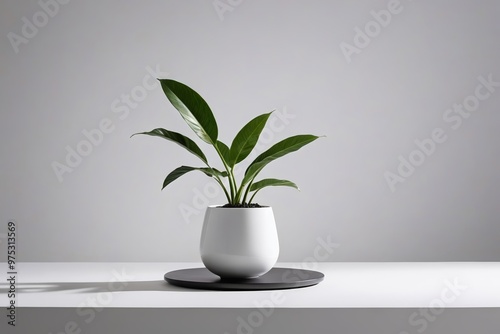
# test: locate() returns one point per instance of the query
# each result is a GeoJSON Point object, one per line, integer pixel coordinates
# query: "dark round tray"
{"type": "Point", "coordinates": [276, 278]}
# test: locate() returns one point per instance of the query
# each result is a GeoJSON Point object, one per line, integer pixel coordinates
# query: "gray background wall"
{"type": "Point", "coordinates": [73, 72]}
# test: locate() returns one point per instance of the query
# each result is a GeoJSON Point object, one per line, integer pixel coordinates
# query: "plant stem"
{"type": "Point", "coordinates": [253, 195]}
{"type": "Point", "coordinates": [247, 190]}
{"type": "Point", "coordinates": [230, 175]}
{"type": "Point", "coordinates": [238, 194]}
{"type": "Point", "coordinates": [219, 181]}
{"type": "Point", "coordinates": [232, 180]}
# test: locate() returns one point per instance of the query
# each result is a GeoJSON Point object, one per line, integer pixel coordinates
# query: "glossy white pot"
{"type": "Point", "coordinates": [239, 242]}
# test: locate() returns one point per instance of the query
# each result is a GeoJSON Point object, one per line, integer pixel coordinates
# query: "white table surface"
{"type": "Point", "coordinates": [346, 285]}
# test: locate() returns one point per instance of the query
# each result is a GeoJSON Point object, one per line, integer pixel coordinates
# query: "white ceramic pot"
{"type": "Point", "coordinates": [239, 242]}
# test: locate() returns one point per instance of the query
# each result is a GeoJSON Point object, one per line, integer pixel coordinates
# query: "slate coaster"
{"type": "Point", "coordinates": [276, 278]}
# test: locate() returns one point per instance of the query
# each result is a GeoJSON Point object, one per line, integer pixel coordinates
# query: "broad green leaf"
{"type": "Point", "coordinates": [272, 183]}
{"type": "Point", "coordinates": [178, 138]}
{"type": "Point", "coordinates": [276, 151]}
{"type": "Point", "coordinates": [213, 172]}
{"type": "Point", "coordinates": [192, 108]}
{"type": "Point", "coordinates": [257, 186]}
{"type": "Point", "coordinates": [224, 150]}
{"type": "Point", "coordinates": [179, 171]}
{"type": "Point", "coordinates": [245, 140]}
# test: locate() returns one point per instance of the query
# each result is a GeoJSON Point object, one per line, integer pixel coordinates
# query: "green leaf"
{"type": "Point", "coordinates": [179, 171]}
{"type": "Point", "coordinates": [246, 139]}
{"type": "Point", "coordinates": [272, 183]}
{"type": "Point", "coordinates": [276, 151]}
{"type": "Point", "coordinates": [224, 150]}
{"type": "Point", "coordinates": [192, 108]}
{"type": "Point", "coordinates": [178, 138]}
{"type": "Point", "coordinates": [257, 186]}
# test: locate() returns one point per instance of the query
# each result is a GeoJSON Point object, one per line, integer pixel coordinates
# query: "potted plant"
{"type": "Point", "coordinates": [238, 239]}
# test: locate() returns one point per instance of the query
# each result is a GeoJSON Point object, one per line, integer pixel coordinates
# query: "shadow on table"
{"type": "Point", "coordinates": [93, 287]}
